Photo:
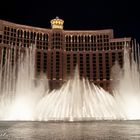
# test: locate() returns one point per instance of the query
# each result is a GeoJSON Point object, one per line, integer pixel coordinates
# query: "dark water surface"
{"type": "Point", "coordinates": [96, 130]}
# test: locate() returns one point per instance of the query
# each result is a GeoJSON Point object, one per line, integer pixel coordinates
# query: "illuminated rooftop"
{"type": "Point", "coordinates": [57, 23]}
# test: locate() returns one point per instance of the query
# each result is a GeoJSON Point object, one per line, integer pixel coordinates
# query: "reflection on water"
{"type": "Point", "coordinates": [97, 130]}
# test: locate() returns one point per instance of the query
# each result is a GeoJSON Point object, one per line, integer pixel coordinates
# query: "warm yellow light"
{"type": "Point", "coordinates": [57, 23]}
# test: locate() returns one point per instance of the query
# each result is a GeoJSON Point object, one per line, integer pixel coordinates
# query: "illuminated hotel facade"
{"type": "Point", "coordinates": [58, 51]}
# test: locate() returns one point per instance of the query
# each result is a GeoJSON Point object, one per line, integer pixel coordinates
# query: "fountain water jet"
{"type": "Point", "coordinates": [76, 100]}
{"type": "Point", "coordinates": [18, 93]}
{"type": "Point", "coordinates": [127, 91]}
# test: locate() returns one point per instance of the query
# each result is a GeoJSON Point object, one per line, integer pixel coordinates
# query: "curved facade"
{"type": "Point", "coordinates": [59, 51]}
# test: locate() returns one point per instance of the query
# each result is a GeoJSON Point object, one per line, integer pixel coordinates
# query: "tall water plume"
{"type": "Point", "coordinates": [127, 90]}
{"type": "Point", "coordinates": [19, 95]}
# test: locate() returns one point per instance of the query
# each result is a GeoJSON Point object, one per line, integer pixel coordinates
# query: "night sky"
{"type": "Point", "coordinates": [121, 15]}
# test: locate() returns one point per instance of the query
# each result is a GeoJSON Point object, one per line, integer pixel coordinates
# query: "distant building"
{"type": "Point", "coordinates": [59, 51]}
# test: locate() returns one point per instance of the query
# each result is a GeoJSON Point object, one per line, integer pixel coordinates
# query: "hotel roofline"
{"type": "Point", "coordinates": [40, 28]}
{"type": "Point", "coordinates": [72, 32]}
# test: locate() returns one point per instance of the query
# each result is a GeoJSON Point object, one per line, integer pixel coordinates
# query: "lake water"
{"type": "Point", "coordinates": [96, 130]}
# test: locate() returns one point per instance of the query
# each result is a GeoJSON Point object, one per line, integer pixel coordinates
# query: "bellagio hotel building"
{"type": "Point", "coordinates": [58, 51]}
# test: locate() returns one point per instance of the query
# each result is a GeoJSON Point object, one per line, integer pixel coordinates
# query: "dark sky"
{"type": "Point", "coordinates": [121, 15]}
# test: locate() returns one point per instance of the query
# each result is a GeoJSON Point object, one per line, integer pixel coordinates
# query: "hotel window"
{"type": "Point", "coordinates": [74, 60]}
{"type": "Point", "coordinates": [107, 66]}
{"type": "Point", "coordinates": [6, 35]}
{"type": "Point", "coordinates": [100, 66]}
{"type": "Point", "coordinates": [51, 65]}
{"type": "Point", "coordinates": [94, 66]}
{"type": "Point", "coordinates": [4, 55]}
{"type": "Point", "coordinates": [57, 41]}
{"type": "Point", "coordinates": [57, 65]}
{"type": "Point", "coordinates": [19, 37]}
{"type": "Point", "coordinates": [93, 47]}
{"type": "Point", "coordinates": [113, 57]}
{"type": "Point", "coordinates": [68, 63]}
{"type": "Point", "coordinates": [106, 48]}
{"type": "Point", "coordinates": [38, 62]}
{"type": "Point", "coordinates": [76, 39]}
{"type": "Point", "coordinates": [81, 65]}
{"type": "Point", "coordinates": [12, 56]}
{"type": "Point", "coordinates": [0, 38]}
{"type": "Point", "coordinates": [45, 41]}
{"type": "Point", "coordinates": [87, 47]}
{"type": "Point", "coordinates": [120, 58]}
{"type": "Point", "coordinates": [37, 41]}
{"type": "Point", "coordinates": [87, 66]}
{"type": "Point", "coordinates": [87, 39]}
{"type": "Point", "coordinates": [45, 62]}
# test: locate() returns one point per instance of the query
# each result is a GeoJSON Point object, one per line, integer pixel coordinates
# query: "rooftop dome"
{"type": "Point", "coordinates": [57, 23]}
